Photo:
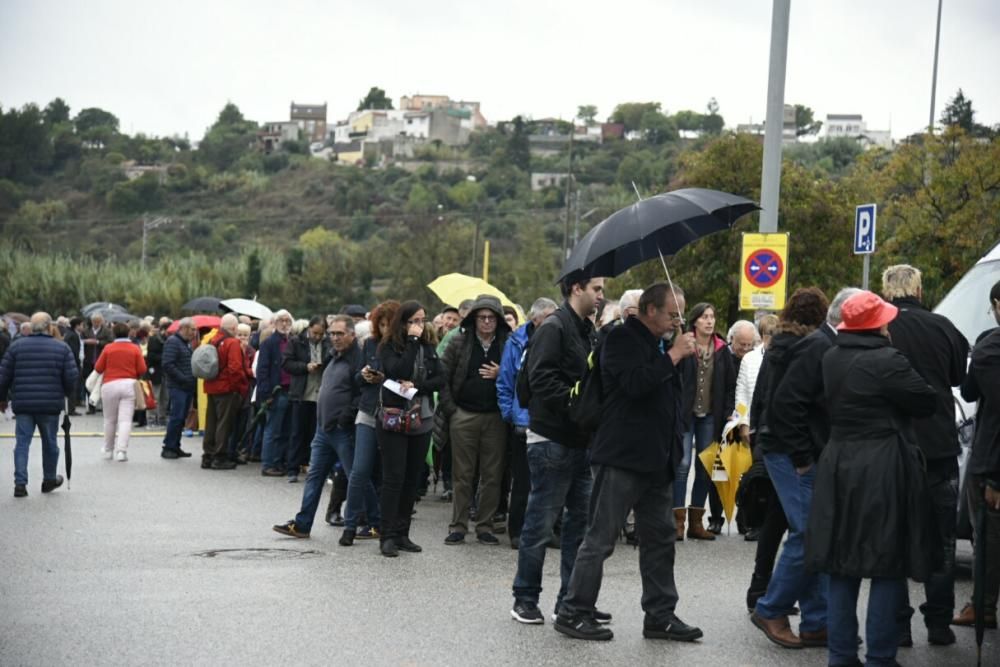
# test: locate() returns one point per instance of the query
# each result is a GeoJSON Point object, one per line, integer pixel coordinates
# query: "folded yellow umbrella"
{"type": "Point", "coordinates": [725, 465]}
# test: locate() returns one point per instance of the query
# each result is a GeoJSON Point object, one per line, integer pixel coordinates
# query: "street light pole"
{"type": "Point", "coordinates": [147, 225]}
{"type": "Point", "coordinates": [937, 43]}
{"type": "Point", "coordinates": [770, 182]}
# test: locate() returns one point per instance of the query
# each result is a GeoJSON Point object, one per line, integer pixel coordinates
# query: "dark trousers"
{"type": "Point", "coordinates": [616, 491]}
{"type": "Point", "coordinates": [402, 460]}
{"type": "Point", "coordinates": [942, 489]}
{"type": "Point", "coordinates": [303, 430]}
{"type": "Point", "coordinates": [520, 481]}
{"type": "Point", "coordinates": [768, 542]}
{"type": "Point", "coordinates": [219, 422]}
{"type": "Point", "coordinates": [975, 490]}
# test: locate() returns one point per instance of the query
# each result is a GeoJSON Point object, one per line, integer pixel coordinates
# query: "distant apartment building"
{"type": "Point", "coordinates": [311, 119]}
{"type": "Point", "coordinates": [542, 179]}
{"type": "Point", "coordinates": [788, 127]}
{"type": "Point", "coordinates": [418, 102]}
{"type": "Point", "coordinates": [853, 126]}
{"type": "Point", "coordinates": [272, 135]}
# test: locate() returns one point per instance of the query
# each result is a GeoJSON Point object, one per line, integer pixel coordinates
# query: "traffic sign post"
{"type": "Point", "coordinates": [864, 237]}
{"type": "Point", "coordinates": [763, 271]}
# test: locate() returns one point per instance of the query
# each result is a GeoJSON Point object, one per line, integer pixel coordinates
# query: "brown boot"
{"type": "Point", "coordinates": [696, 527]}
{"type": "Point", "coordinates": [967, 617]}
{"type": "Point", "coordinates": [679, 513]}
{"type": "Point", "coordinates": [777, 630]}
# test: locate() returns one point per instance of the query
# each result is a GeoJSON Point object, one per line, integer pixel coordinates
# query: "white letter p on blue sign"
{"type": "Point", "coordinates": [864, 229]}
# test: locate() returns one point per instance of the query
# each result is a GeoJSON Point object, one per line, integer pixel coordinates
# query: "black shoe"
{"type": "Point", "coordinates": [404, 543]}
{"type": "Point", "coordinates": [20, 491]}
{"type": "Point", "coordinates": [940, 636]}
{"type": "Point", "coordinates": [515, 543]}
{"type": "Point", "coordinates": [388, 548]}
{"type": "Point", "coordinates": [272, 472]}
{"type": "Point", "coordinates": [582, 627]}
{"type": "Point", "coordinates": [223, 464]}
{"type": "Point", "coordinates": [602, 617]}
{"type": "Point", "coordinates": [182, 454]}
{"type": "Point", "coordinates": [289, 530]}
{"type": "Point", "coordinates": [752, 535]}
{"type": "Point", "coordinates": [74, 413]}
{"type": "Point", "coordinates": [206, 463]}
{"type": "Point", "coordinates": [674, 629]}
{"type": "Point", "coordinates": [489, 539]}
{"type": "Point", "coordinates": [715, 525]}
{"type": "Point", "coordinates": [169, 453]}
{"type": "Point", "coordinates": [905, 639]}
{"type": "Point", "coordinates": [347, 539]}
{"type": "Point", "coordinates": [527, 613]}
{"type": "Point", "coordinates": [454, 538]}
{"type": "Point", "coordinates": [336, 519]}
{"type": "Point", "coordinates": [49, 485]}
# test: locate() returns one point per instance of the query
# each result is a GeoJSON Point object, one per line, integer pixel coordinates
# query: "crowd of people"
{"type": "Point", "coordinates": [846, 404]}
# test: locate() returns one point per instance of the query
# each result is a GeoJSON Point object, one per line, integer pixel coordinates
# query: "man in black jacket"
{"type": "Point", "coordinates": [635, 455]}
{"type": "Point", "coordinates": [557, 447]}
{"type": "Point", "coordinates": [75, 342]}
{"type": "Point", "coordinates": [304, 360]}
{"type": "Point", "coordinates": [181, 386]}
{"type": "Point", "coordinates": [938, 351]}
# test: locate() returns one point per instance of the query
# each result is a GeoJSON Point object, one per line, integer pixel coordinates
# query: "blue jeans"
{"type": "Point", "coordinates": [321, 461]}
{"type": "Point", "coordinates": [24, 430]}
{"type": "Point", "coordinates": [881, 636]}
{"type": "Point", "coordinates": [180, 404]}
{"type": "Point", "coordinates": [790, 582]}
{"type": "Point", "coordinates": [358, 461]}
{"type": "Point", "coordinates": [699, 437]}
{"type": "Point", "coordinates": [560, 478]}
{"type": "Point", "coordinates": [276, 433]}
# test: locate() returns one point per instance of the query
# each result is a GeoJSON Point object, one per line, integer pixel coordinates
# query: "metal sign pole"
{"type": "Point", "coordinates": [864, 275]}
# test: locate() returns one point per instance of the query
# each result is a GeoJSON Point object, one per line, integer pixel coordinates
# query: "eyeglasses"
{"type": "Point", "coordinates": [486, 318]}
{"type": "Point", "coordinates": [416, 321]}
{"type": "Point", "coordinates": [337, 334]}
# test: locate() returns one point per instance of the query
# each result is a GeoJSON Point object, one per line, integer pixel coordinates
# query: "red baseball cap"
{"type": "Point", "coordinates": [866, 311]}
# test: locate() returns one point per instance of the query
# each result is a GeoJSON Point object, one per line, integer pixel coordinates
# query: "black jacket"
{"type": "Point", "coordinates": [154, 357]}
{"type": "Point", "coordinates": [557, 359]}
{"type": "Point", "coordinates": [796, 420]}
{"type": "Point", "coordinates": [641, 422]}
{"type": "Point", "coordinates": [39, 372]}
{"type": "Point", "coordinates": [176, 364]}
{"type": "Point", "coordinates": [983, 384]}
{"type": "Point", "coordinates": [399, 365]}
{"type": "Point", "coordinates": [4, 342]}
{"type": "Point", "coordinates": [870, 514]}
{"type": "Point", "coordinates": [939, 352]}
{"type": "Point", "coordinates": [368, 400]}
{"type": "Point", "coordinates": [296, 359]}
{"type": "Point", "coordinates": [337, 403]}
{"type": "Point", "coordinates": [72, 338]}
{"type": "Point", "coordinates": [723, 387]}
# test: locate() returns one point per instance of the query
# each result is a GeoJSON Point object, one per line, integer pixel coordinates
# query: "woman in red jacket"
{"type": "Point", "coordinates": [122, 364]}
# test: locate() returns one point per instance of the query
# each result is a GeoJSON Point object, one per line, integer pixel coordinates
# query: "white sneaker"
{"type": "Point", "coordinates": [107, 454]}
{"type": "Point", "coordinates": [121, 456]}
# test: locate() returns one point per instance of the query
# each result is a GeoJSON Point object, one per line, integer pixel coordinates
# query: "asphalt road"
{"type": "Point", "coordinates": [159, 562]}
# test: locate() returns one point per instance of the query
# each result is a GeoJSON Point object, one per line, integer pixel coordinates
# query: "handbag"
{"type": "Point", "coordinates": [140, 396]}
{"type": "Point", "coordinates": [149, 398]}
{"type": "Point", "coordinates": [399, 420]}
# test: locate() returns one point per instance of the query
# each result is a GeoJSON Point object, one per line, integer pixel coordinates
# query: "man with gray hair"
{"type": "Point", "coordinates": [180, 385]}
{"type": "Point", "coordinates": [939, 353]}
{"type": "Point", "coordinates": [225, 395]}
{"type": "Point", "coordinates": [41, 373]}
{"type": "Point", "coordinates": [742, 339]}
{"type": "Point", "coordinates": [516, 416]}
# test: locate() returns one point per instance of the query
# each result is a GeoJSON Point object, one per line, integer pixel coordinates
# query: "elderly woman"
{"type": "Point", "coordinates": [869, 468]}
{"type": "Point", "coordinates": [122, 364]}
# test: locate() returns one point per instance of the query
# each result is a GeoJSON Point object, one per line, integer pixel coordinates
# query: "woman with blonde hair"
{"type": "Point", "coordinates": [122, 364]}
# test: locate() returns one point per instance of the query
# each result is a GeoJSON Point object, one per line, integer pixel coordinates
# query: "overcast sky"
{"type": "Point", "coordinates": [168, 67]}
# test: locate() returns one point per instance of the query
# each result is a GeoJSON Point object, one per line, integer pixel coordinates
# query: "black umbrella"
{"type": "Point", "coordinates": [654, 227]}
{"type": "Point", "coordinates": [979, 580]}
{"type": "Point", "coordinates": [67, 449]}
{"type": "Point", "coordinates": [203, 304]}
{"type": "Point", "coordinates": [259, 417]}
{"type": "Point", "coordinates": [120, 317]}
{"type": "Point", "coordinates": [103, 307]}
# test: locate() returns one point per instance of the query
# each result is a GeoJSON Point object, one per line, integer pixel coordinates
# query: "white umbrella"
{"type": "Point", "coordinates": [258, 311]}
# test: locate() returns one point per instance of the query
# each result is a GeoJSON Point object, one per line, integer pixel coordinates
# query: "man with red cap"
{"type": "Point", "coordinates": [870, 467]}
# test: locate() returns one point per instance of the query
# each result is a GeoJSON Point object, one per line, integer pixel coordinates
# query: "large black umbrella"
{"type": "Point", "coordinates": [203, 304]}
{"type": "Point", "coordinates": [67, 449]}
{"type": "Point", "coordinates": [120, 317]}
{"type": "Point", "coordinates": [979, 580]}
{"type": "Point", "coordinates": [103, 307]}
{"type": "Point", "coordinates": [654, 227]}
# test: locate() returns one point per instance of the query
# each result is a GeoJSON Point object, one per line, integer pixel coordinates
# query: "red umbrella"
{"type": "Point", "coordinates": [200, 322]}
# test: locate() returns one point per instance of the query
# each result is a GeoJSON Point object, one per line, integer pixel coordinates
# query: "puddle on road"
{"type": "Point", "coordinates": [259, 554]}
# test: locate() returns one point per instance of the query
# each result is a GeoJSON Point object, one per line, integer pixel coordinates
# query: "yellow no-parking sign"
{"type": "Point", "coordinates": [763, 271]}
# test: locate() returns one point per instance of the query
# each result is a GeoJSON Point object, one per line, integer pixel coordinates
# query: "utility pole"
{"type": "Point", "coordinates": [770, 182]}
{"type": "Point", "coordinates": [569, 189]}
{"type": "Point", "coordinates": [937, 43]}
{"type": "Point", "coordinates": [148, 224]}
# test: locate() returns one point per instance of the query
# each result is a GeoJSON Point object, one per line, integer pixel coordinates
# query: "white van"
{"type": "Point", "coordinates": [967, 306]}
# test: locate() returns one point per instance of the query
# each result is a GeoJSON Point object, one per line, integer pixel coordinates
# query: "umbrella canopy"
{"type": "Point", "coordinates": [659, 225]}
{"type": "Point", "coordinates": [725, 465]}
{"type": "Point", "coordinates": [113, 316]}
{"type": "Point", "coordinates": [104, 307]}
{"type": "Point", "coordinates": [67, 449]}
{"type": "Point", "coordinates": [16, 317]}
{"type": "Point", "coordinates": [257, 311]}
{"type": "Point", "coordinates": [454, 288]}
{"type": "Point", "coordinates": [200, 322]}
{"type": "Point", "coordinates": [203, 304]}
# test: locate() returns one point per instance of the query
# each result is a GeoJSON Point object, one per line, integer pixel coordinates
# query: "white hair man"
{"type": "Point", "coordinates": [225, 396]}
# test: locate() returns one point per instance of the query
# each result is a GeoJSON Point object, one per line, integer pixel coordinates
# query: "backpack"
{"type": "Point", "coordinates": [586, 398]}
{"type": "Point", "coordinates": [205, 362]}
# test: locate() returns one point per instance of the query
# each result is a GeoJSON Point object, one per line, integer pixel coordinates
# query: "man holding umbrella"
{"type": "Point", "coordinates": [41, 372]}
{"type": "Point", "coordinates": [635, 455]}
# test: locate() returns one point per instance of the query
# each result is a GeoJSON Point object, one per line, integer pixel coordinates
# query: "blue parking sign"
{"type": "Point", "coordinates": [864, 229]}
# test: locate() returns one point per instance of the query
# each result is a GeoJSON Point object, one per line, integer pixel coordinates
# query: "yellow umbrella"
{"type": "Point", "coordinates": [454, 288]}
{"type": "Point", "coordinates": [725, 465]}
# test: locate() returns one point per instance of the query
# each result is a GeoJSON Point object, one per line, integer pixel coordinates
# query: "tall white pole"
{"type": "Point", "coordinates": [770, 180]}
{"type": "Point", "coordinates": [937, 43]}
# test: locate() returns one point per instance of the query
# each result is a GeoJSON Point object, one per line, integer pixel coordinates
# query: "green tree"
{"type": "Point", "coordinates": [712, 122]}
{"type": "Point", "coordinates": [24, 143]}
{"type": "Point", "coordinates": [254, 275]}
{"type": "Point", "coordinates": [518, 152]}
{"type": "Point", "coordinates": [688, 121]}
{"type": "Point", "coordinates": [96, 126]}
{"type": "Point", "coordinates": [804, 123]}
{"type": "Point", "coordinates": [29, 226]}
{"type": "Point", "coordinates": [56, 111]}
{"type": "Point", "coordinates": [657, 128]}
{"type": "Point", "coordinates": [229, 138]}
{"type": "Point", "coordinates": [375, 99]}
{"type": "Point", "coordinates": [587, 113]}
{"type": "Point", "coordinates": [466, 194]}
{"type": "Point", "coordinates": [959, 113]}
{"type": "Point", "coordinates": [142, 194]}
{"type": "Point", "coordinates": [630, 113]}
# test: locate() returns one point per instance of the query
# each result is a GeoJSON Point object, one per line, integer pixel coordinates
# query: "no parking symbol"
{"type": "Point", "coordinates": [763, 270]}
